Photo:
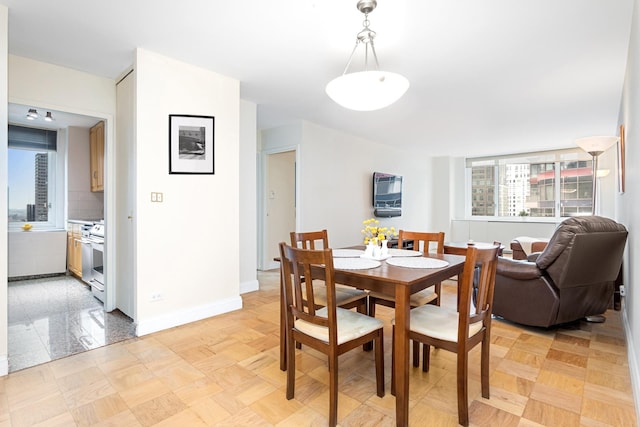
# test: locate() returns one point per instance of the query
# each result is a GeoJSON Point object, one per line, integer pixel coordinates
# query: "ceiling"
{"type": "Point", "coordinates": [487, 76]}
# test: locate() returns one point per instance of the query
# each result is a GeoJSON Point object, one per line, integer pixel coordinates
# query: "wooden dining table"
{"type": "Point", "coordinates": [399, 282]}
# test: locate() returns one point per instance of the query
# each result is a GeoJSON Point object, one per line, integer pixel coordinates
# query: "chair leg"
{"type": "Point", "coordinates": [484, 367]}
{"type": "Point", "coordinates": [438, 290]}
{"type": "Point", "coordinates": [333, 389]}
{"type": "Point", "coordinates": [426, 357]}
{"type": "Point", "coordinates": [463, 392]}
{"type": "Point", "coordinates": [380, 364]}
{"type": "Point", "coordinates": [415, 345]}
{"type": "Point", "coordinates": [372, 306]}
{"type": "Point", "coordinates": [291, 367]}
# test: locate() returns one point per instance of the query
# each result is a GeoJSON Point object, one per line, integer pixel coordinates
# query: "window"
{"type": "Point", "coordinates": [544, 185]}
{"type": "Point", "coordinates": [32, 175]}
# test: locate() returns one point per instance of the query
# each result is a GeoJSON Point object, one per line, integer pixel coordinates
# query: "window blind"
{"type": "Point", "coordinates": [551, 156]}
{"type": "Point", "coordinates": [32, 139]}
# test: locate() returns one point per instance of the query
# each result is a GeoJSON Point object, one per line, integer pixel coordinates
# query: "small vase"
{"type": "Point", "coordinates": [368, 252]}
{"type": "Point", "coordinates": [376, 251]}
{"type": "Point", "coordinates": [384, 249]}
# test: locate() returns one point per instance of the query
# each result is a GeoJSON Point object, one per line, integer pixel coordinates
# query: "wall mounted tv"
{"type": "Point", "coordinates": [387, 195]}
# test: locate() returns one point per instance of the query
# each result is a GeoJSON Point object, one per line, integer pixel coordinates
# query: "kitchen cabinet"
{"type": "Point", "coordinates": [96, 141]}
{"type": "Point", "coordinates": [74, 250]}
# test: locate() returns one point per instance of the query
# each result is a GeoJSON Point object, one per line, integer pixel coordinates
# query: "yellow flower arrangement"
{"type": "Point", "coordinates": [372, 231]}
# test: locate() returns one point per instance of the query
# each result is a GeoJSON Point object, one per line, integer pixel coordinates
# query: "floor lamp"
{"type": "Point", "coordinates": [595, 145]}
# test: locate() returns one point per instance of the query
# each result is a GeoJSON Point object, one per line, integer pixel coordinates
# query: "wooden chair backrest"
{"type": "Point", "coordinates": [297, 265]}
{"type": "Point", "coordinates": [480, 263]}
{"type": "Point", "coordinates": [422, 240]}
{"type": "Point", "coordinates": [310, 239]}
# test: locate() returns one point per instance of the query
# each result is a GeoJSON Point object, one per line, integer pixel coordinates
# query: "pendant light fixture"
{"type": "Point", "coordinates": [371, 89]}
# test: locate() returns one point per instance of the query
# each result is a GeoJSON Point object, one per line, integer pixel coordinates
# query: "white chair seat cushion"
{"type": "Point", "coordinates": [344, 294]}
{"type": "Point", "coordinates": [351, 325]}
{"type": "Point", "coordinates": [439, 322]}
{"type": "Point", "coordinates": [423, 297]}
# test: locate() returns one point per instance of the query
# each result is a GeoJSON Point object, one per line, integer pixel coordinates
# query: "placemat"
{"type": "Point", "coordinates": [354, 263]}
{"type": "Point", "coordinates": [403, 252]}
{"type": "Point", "coordinates": [347, 253]}
{"type": "Point", "coordinates": [415, 262]}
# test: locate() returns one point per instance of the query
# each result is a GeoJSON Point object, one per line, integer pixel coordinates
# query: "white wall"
{"type": "Point", "coordinates": [248, 201]}
{"type": "Point", "coordinates": [4, 37]}
{"type": "Point", "coordinates": [187, 246]}
{"type": "Point", "coordinates": [33, 253]}
{"type": "Point", "coordinates": [628, 204]}
{"type": "Point", "coordinates": [81, 202]}
{"type": "Point", "coordinates": [335, 187]}
{"type": "Point", "coordinates": [46, 85]}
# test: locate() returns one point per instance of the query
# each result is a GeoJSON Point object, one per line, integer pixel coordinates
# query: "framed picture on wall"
{"type": "Point", "coordinates": [621, 155]}
{"type": "Point", "coordinates": [191, 144]}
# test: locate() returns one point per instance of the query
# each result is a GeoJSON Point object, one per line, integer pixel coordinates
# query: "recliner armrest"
{"type": "Point", "coordinates": [533, 256]}
{"type": "Point", "coordinates": [520, 270]}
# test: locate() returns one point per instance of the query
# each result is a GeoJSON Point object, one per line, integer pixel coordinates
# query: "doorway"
{"type": "Point", "coordinates": [280, 203]}
{"type": "Point", "coordinates": [53, 315]}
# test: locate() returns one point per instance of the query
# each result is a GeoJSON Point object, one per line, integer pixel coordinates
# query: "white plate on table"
{"type": "Point", "coordinates": [354, 263]}
{"type": "Point", "coordinates": [417, 262]}
{"type": "Point", "coordinates": [403, 252]}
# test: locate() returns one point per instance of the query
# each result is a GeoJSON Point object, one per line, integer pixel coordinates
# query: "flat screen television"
{"type": "Point", "coordinates": [387, 194]}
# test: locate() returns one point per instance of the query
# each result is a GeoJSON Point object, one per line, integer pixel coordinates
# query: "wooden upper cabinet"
{"type": "Point", "coordinates": [97, 157]}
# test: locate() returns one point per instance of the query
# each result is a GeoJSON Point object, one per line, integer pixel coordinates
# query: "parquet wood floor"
{"type": "Point", "coordinates": [224, 371]}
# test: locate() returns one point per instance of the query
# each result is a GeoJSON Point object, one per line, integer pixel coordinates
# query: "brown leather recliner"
{"type": "Point", "coordinates": [571, 279]}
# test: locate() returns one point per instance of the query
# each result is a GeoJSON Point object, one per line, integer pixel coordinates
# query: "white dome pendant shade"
{"type": "Point", "coordinates": [366, 90]}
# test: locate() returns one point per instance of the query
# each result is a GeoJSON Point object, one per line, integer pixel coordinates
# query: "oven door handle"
{"type": "Point", "coordinates": [99, 286]}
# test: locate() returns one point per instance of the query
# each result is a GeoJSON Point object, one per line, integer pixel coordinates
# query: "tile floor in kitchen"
{"type": "Point", "coordinates": [54, 317]}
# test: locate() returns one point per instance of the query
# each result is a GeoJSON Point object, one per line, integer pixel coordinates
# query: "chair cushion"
{"type": "Point", "coordinates": [423, 297]}
{"type": "Point", "coordinates": [351, 325]}
{"type": "Point", "coordinates": [439, 322]}
{"type": "Point", "coordinates": [344, 295]}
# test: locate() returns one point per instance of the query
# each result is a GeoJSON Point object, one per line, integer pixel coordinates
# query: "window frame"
{"type": "Point", "coordinates": [557, 157]}
{"type": "Point", "coordinates": [56, 187]}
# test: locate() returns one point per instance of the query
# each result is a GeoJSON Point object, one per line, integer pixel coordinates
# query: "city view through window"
{"type": "Point", "coordinates": [532, 189]}
{"type": "Point", "coordinates": [28, 175]}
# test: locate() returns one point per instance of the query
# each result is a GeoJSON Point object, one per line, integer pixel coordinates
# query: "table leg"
{"type": "Point", "coordinates": [402, 355]}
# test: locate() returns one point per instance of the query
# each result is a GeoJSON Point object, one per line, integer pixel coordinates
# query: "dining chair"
{"type": "Point", "coordinates": [346, 296]}
{"type": "Point", "coordinates": [431, 295]}
{"type": "Point", "coordinates": [331, 330]}
{"type": "Point", "coordinates": [461, 330]}
{"type": "Point", "coordinates": [460, 250]}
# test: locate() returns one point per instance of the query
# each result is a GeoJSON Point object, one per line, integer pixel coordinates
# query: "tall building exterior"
{"type": "Point", "coordinates": [514, 189]}
{"type": "Point", "coordinates": [483, 191]}
{"type": "Point", "coordinates": [31, 212]}
{"type": "Point", "coordinates": [42, 187]}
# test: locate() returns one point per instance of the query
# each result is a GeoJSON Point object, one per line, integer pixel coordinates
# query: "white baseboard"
{"type": "Point", "coordinates": [634, 369]}
{"type": "Point", "coordinates": [4, 365]}
{"type": "Point", "coordinates": [194, 314]}
{"type": "Point", "coordinates": [249, 286]}
{"type": "Point", "coordinates": [271, 265]}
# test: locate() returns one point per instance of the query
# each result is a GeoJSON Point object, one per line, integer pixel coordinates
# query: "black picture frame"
{"type": "Point", "coordinates": [191, 144]}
